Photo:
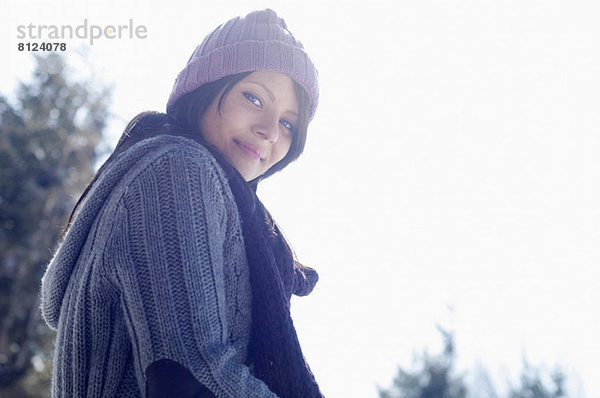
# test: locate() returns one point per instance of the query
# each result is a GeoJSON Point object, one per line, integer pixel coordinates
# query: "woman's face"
{"type": "Point", "coordinates": [254, 128]}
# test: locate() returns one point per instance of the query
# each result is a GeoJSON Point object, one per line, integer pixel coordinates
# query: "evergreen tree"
{"type": "Point", "coordinates": [48, 149]}
{"type": "Point", "coordinates": [434, 377]}
{"type": "Point", "coordinates": [532, 385]}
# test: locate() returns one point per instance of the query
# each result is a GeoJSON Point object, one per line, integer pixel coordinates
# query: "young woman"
{"type": "Point", "coordinates": [172, 279]}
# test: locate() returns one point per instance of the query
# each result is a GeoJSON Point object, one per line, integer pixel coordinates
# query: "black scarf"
{"type": "Point", "coordinates": [274, 350]}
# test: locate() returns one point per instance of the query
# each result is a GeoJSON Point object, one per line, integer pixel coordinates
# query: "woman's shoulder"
{"type": "Point", "coordinates": [152, 150]}
{"type": "Point", "coordinates": [164, 156]}
{"type": "Point", "coordinates": [154, 165]}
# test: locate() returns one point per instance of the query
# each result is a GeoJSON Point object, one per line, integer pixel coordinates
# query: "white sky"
{"type": "Point", "coordinates": [453, 163]}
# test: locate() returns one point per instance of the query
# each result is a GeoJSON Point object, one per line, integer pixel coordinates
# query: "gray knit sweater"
{"type": "Point", "coordinates": [153, 267]}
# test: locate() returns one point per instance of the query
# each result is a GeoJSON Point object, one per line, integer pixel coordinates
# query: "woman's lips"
{"type": "Point", "coordinates": [251, 150]}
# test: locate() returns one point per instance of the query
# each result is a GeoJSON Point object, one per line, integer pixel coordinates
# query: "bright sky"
{"type": "Point", "coordinates": [453, 163]}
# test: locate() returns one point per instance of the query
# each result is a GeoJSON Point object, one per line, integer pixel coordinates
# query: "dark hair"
{"type": "Point", "coordinates": [185, 122]}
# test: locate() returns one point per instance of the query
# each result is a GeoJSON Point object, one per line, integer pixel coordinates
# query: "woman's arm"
{"type": "Point", "coordinates": [171, 272]}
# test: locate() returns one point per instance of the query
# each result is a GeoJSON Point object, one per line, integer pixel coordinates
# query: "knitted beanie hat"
{"type": "Point", "coordinates": [258, 41]}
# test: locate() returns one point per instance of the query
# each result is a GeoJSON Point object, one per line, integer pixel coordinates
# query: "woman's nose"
{"type": "Point", "coordinates": [268, 128]}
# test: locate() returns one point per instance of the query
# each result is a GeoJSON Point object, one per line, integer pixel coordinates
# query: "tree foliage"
{"type": "Point", "coordinates": [48, 148]}
{"type": "Point", "coordinates": [435, 377]}
{"type": "Point", "coordinates": [533, 386]}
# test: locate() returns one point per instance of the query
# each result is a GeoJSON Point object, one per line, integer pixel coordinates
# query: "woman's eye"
{"type": "Point", "coordinates": [254, 99]}
{"type": "Point", "coordinates": [288, 125]}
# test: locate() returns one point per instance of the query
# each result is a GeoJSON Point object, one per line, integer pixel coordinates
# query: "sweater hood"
{"type": "Point", "coordinates": [64, 262]}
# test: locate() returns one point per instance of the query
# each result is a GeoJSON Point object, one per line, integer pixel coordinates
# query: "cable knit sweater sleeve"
{"type": "Point", "coordinates": [168, 254]}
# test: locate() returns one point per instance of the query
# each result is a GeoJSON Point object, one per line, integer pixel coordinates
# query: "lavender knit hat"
{"type": "Point", "coordinates": [258, 41]}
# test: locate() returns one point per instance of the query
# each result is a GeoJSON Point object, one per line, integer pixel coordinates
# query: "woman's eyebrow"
{"type": "Point", "coordinates": [265, 87]}
{"type": "Point", "coordinates": [271, 95]}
